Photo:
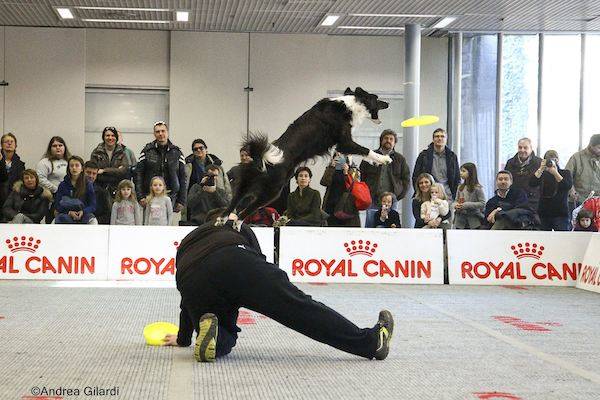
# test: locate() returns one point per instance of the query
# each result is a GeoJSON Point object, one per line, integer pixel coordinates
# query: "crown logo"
{"type": "Point", "coordinates": [527, 250]}
{"type": "Point", "coordinates": [23, 243]}
{"type": "Point", "coordinates": [356, 247]}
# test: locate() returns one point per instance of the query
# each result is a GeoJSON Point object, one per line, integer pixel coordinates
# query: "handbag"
{"type": "Point", "coordinates": [360, 192]}
{"type": "Point", "coordinates": [345, 207]}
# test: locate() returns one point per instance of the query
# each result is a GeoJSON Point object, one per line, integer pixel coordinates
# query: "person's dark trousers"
{"type": "Point", "coordinates": [234, 277]}
{"type": "Point", "coordinates": [555, 223]}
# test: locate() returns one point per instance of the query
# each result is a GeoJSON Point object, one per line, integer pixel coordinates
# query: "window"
{"type": "Point", "coordinates": [520, 60]}
{"type": "Point", "coordinates": [478, 106]}
{"type": "Point", "coordinates": [132, 111]}
{"type": "Point", "coordinates": [591, 99]}
{"type": "Point", "coordinates": [560, 95]}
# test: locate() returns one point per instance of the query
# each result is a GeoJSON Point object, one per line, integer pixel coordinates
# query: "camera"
{"type": "Point", "coordinates": [210, 180]}
{"type": "Point", "coordinates": [551, 162]}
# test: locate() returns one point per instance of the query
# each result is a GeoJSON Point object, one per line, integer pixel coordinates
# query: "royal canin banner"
{"type": "Point", "coordinates": [148, 252]}
{"type": "Point", "coordinates": [589, 275]}
{"type": "Point", "coordinates": [53, 252]}
{"type": "Point", "coordinates": [515, 257]}
{"type": "Point", "coordinates": [353, 255]}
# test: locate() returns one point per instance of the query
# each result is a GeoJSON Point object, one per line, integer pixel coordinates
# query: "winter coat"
{"type": "Point", "coordinates": [201, 202]}
{"type": "Point", "coordinates": [66, 189]}
{"type": "Point", "coordinates": [115, 169]}
{"type": "Point", "coordinates": [370, 174]}
{"type": "Point", "coordinates": [522, 174]}
{"type": "Point", "coordinates": [195, 172]}
{"type": "Point", "coordinates": [554, 196]}
{"type": "Point", "coordinates": [424, 164]}
{"type": "Point", "coordinates": [585, 167]}
{"type": "Point", "coordinates": [167, 162]}
{"type": "Point", "coordinates": [31, 203]}
{"type": "Point", "coordinates": [9, 178]}
{"type": "Point", "coordinates": [305, 206]}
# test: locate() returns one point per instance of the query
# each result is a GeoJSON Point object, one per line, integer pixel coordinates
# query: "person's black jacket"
{"type": "Point", "coordinates": [515, 198]}
{"type": "Point", "coordinates": [554, 196]}
{"type": "Point", "coordinates": [521, 176]}
{"type": "Point", "coordinates": [400, 173]}
{"type": "Point", "coordinates": [167, 162]}
{"type": "Point", "coordinates": [8, 179]}
{"type": "Point", "coordinates": [31, 203]}
{"type": "Point", "coordinates": [115, 168]}
{"type": "Point", "coordinates": [198, 169]}
{"type": "Point", "coordinates": [393, 219]}
{"type": "Point", "coordinates": [416, 209]}
{"type": "Point", "coordinates": [103, 205]}
{"type": "Point", "coordinates": [425, 164]}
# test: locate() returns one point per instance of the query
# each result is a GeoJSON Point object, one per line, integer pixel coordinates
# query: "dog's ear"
{"type": "Point", "coordinates": [348, 91]}
{"type": "Point", "coordinates": [360, 90]}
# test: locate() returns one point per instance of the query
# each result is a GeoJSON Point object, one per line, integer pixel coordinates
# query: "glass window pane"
{"type": "Point", "coordinates": [591, 100]}
{"type": "Point", "coordinates": [560, 95]}
{"type": "Point", "coordinates": [520, 57]}
{"type": "Point", "coordinates": [478, 106]}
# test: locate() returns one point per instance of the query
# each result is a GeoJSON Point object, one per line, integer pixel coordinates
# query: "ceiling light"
{"type": "Point", "coordinates": [396, 28]}
{"type": "Point", "coordinates": [126, 21]}
{"type": "Point", "coordinates": [123, 8]}
{"type": "Point", "coordinates": [330, 19]}
{"type": "Point", "coordinates": [444, 22]}
{"type": "Point", "coordinates": [65, 13]}
{"type": "Point", "coordinates": [396, 15]}
{"type": "Point", "coordinates": [182, 16]}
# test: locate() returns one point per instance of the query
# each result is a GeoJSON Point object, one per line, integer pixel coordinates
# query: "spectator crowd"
{"type": "Point", "coordinates": [113, 187]}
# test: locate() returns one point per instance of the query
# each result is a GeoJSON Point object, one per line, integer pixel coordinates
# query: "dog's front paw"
{"type": "Point", "coordinates": [381, 159]}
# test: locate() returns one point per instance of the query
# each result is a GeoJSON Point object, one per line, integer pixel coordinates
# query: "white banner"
{"type": "Point", "coordinates": [515, 257]}
{"type": "Point", "coordinates": [353, 255]}
{"type": "Point", "coordinates": [58, 252]}
{"type": "Point", "coordinates": [589, 275]}
{"type": "Point", "coordinates": [148, 252]}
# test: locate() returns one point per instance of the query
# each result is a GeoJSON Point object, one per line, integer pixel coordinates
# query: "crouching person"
{"type": "Point", "coordinates": [28, 202]}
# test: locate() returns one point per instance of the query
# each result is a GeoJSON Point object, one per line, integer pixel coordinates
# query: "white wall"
{"type": "Point", "coordinates": [208, 76]}
{"type": "Point", "coordinates": [46, 71]}
{"type": "Point", "coordinates": [434, 85]}
{"type": "Point", "coordinates": [118, 57]}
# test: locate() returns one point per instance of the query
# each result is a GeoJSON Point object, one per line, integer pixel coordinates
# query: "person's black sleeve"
{"type": "Point", "coordinates": [186, 328]}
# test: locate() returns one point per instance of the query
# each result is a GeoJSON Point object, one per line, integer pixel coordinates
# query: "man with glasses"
{"type": "Point", "coordinates": [162, 158]}
{"type": "Point", "coordinates": [197, 162]}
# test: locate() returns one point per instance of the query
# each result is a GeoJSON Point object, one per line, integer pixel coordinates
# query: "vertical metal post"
{"type": "Point", "coordinates": [540, 92]}
{"type": "Point", "coordinates": [457, 93]}
{"type": "Point", "coordinates": [498, 101]}
{"type": "Point", "coordinates": [412, 89]}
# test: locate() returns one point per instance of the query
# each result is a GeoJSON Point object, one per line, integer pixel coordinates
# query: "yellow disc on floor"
{"type": "Point", "coordinates": [155, 332]}
{"type": "Point", "coordinates": [421, 120]}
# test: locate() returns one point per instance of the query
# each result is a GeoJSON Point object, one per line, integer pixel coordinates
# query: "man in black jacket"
{"type": "Point", "coordinates": [11, 166]}
{"type": "Point", "coordinates": [508, 206]}
{"type": "Point", "coordinates": [522, 167]}
{"type": "Point", "coordinates": [441, 162]}
{"type": "Point", "coordinates": [220, 269]}
{"type": "Point", "coordinates": [162, 158]}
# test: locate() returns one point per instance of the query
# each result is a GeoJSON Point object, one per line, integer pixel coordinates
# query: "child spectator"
{"type": "Point", "coordinates": [159, 208]}
{"type": "Point", "coordinates": [125, 209]}
{"type": "Point", "coordinates": [103, 200]}
{"type": "Point", "coordinates": [75, 200]}
{"type": "Point", "coordinates": [470, 199]}
{"type": "Point", "coordinates": [584, 221]}
{"type": "Point", "coordinates": [386, 216]}
{"type": "Point", "coordinates": [28, 202]}
{"type": "Point", "coordinates": [437, 206]}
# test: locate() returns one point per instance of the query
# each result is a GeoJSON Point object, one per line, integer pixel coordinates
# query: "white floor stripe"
{"type": "Point", "coordinates": [181, 383]}
{"type": "Point", "coordinates": [591, 376]}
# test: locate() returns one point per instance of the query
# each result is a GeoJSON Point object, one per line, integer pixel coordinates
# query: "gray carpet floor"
{"type": "Point", "coordinates": [450, 342]}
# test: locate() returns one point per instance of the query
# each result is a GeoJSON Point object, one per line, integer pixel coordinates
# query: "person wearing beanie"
{"type": "Point", "coordinates": [585, 168]}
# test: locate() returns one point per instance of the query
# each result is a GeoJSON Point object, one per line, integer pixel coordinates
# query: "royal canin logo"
{"type": "Point", "coordinates": [356, 247]}
{"type": "Point", "coordinates": [527, 250]}
{"type": "Point", "coordinates": [23, 243]}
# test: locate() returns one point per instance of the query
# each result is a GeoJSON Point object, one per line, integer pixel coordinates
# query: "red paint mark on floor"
{"type": "Point", "coordinates": [549, 323]}
{"type": "Point", "coordinates": [1, 316]}
{"type": "Point", "coordinates": [512, 287]}
{"type": "Point", "coordinates": [520, 324]}
{"type": "Point", "coordinates": [246, 317]}
{"type": "Point", "coordinates": [317, 283]}
{"type": "Point", "coordinates": [496, 395]}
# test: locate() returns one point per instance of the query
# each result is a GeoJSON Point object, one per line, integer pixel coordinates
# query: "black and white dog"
{"type": "Point", "coordinates": [327, 124]}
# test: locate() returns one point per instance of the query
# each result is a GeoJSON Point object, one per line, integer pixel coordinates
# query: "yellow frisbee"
{"type": "Point", "coordinates": [155, 332]}
{"type": "Point", "coordinates": [421, 120]}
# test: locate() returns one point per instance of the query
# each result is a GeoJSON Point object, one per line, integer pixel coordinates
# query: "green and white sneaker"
{"type": "Point", "coordinates": [386, 329]}
{"type": "Point", "coordinates": [205, 349]}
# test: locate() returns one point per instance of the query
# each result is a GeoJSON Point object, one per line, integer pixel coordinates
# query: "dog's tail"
{"type": "Point", "coordinates": [260, 148]}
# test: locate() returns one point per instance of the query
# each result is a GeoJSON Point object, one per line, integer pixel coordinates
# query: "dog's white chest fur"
{"type": "Point", "coordinates": [359, 111]}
